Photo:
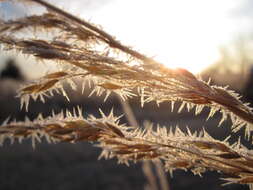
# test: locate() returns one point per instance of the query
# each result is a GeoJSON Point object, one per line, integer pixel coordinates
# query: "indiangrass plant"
{"type": "Point", "coordinates": [85, 51]}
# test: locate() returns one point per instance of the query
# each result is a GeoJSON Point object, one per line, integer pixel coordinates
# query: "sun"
{"type": "Point", "coordinates": [177, 33]}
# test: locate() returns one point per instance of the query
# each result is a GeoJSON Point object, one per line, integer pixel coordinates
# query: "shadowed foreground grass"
{"type": "Point", "coordinates": [75, 166]}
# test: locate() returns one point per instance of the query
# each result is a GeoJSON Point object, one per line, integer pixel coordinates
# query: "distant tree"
{"type": "Point", "coordinates": [11, 70]}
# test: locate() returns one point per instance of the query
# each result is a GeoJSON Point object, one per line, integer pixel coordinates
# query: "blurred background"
{"type": "Point", "coordinates": [212, 39]}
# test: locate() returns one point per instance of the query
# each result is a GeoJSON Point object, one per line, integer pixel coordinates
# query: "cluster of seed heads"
{"type": "Point", "coordinates": [197, 152]}
{"type": "Point", "coordinates": [86, 52]}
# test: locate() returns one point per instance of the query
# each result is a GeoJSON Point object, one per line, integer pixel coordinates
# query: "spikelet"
{"type": "Point", "coordinates": [115, 73]}
{"type": "Point", "coordinates": [197, 152]}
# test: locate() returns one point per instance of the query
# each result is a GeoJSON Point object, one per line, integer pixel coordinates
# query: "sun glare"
{"type": "Point", "coordinates": [178, 33]}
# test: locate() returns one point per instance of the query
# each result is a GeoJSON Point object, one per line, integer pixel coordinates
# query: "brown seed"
{"type": "Point", "coordinates": [229, 155]}
{"type": "Point", "coordinates": [123, 152]}
{"type": "Point", "coordinates": [47, 85]}
{"type": "Point", "coordinates": [63, 131]}
{"type": "Point", "coordinates": [115, 130]}
{"type": "Point", "coordinates": [248, 163]}
{"type": "Point", "coordinates": [31, 88]}
{"type": "Point", "coordinates": [110, 86]}
{"type": "Point", "coordinates": [142, 147]}
{"type": "Point", "coordinates": [21, 132]}
{"type": "Point", "coordinates": [180, 164]}
{"type": "Point", "coordinates": [51, 127]}
{"type": "Point", "coordinates": [184, 72]}
{"type": "Point", "coordinates": [56, 75]}
{"type": "Point", "coordinates": [246, 180]}
{"type": "Point", "coordinates": [77, 124]}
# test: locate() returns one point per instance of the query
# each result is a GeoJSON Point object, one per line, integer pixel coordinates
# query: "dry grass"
{"type": "Point", "coordinates": [197, 152]}
{"type": "Point", "coordinates": [86, 52]}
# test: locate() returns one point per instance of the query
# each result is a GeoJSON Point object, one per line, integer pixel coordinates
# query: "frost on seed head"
{"type": "Point", "coordinates": [176, 149]}
{"type": "Point", "coordinates": [120, 70]}
{"type": "Point", "coordinates": [86, 52]}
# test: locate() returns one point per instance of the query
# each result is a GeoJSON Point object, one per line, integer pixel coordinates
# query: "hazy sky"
{"type": "Point", "coordinates": [244, 9]}
{"type": "Point", "coordinates": [179, 33]}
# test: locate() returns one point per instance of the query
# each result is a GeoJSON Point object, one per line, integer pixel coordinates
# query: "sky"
{"type": "Point", "coordinates": [179, 33]}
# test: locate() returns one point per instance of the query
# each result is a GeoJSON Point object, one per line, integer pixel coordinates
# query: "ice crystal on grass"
{"type": "Point", "coordinates": [86, 52]}
{"type": "Point", "coordinates": [162, 84]}
{"type": "Point", "coordinates": [197, 152]}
